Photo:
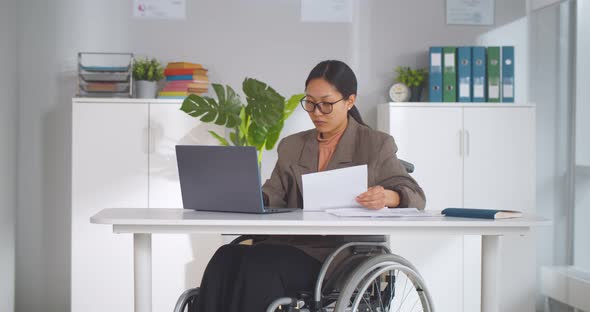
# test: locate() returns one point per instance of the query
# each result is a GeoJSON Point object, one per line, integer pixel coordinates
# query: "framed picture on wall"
{"type": "Point", "coordinates": [470, 12]}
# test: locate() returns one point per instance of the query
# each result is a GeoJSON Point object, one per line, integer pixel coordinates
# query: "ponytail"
{"type": "Point", "coordinates": [354, 113]}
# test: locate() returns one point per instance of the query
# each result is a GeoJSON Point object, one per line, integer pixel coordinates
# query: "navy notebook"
{"type": "Point", "coordinates": [481, 213]}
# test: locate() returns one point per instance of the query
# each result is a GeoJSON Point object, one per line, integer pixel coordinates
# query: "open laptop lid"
{"type": "Point", "coordinates": [219, 178]}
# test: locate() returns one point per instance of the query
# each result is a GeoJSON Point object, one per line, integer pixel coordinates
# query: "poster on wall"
{"type": "Point", "coordinates": [470, 12]}
{"type": "Point", "coordinates": [326, 11]}
{"type": "Point", "coordinates": [165, 9]}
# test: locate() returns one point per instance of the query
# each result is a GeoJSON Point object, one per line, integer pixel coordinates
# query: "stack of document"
{"type": "Point", "coordinates": [335, 192]}
{"type": "Point", "coordinates": [385, 212]}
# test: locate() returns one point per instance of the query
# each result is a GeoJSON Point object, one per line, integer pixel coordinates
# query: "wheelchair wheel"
{"type": "Point", "coordinates": [384, 283]}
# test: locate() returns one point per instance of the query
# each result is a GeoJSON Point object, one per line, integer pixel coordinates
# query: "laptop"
{"type": "Point", "coordinates": [221, 178]}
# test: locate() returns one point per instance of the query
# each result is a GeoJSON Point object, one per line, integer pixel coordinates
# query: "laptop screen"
{"type": "Point", "coordinates": [219, 178]}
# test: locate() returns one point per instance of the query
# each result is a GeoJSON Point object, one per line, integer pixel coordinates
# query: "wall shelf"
{"type": "Point", "coordinates": [456, 104]}
{"type": "Point", "coordinates": [82, 100]}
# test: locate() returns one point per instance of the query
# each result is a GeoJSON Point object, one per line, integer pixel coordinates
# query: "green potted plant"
{"type": "Point", "coordinates": [257, 123]}
{"type": "Point", "coordinates": [146, 74]}
{"type": "Point", "coordinates": [414, 79]}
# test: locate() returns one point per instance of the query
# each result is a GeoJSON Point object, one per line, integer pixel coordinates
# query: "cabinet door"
{"type": "Point", "coordinates": [179, 259]}
{"type": "Point", "coordinates": [500, 158]}
{"type": "Point", "coordinates": [109, 169]}
{"type": "Point", "coordinates": [430, 138]}
{"type": "Point", "coordinates": [500, 173]}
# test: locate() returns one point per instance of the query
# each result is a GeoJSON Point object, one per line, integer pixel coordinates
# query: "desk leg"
{"type": "Point", "coordinates": [490, 273]}
{"type": "Point", "coordinates": [142, 270]}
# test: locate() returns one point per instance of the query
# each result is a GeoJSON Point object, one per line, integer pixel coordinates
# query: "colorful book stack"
{"type": "Point", "coordinates": [182, 79]}
{"type": "Point", "coordinates": [471, 74]}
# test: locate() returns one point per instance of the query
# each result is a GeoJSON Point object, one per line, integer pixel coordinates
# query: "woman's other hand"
{"type": "Point", "coordinates": [376, 197]}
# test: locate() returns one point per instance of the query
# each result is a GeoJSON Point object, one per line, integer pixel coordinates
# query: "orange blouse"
{"type": "Point", "coordinates": [327, 148]}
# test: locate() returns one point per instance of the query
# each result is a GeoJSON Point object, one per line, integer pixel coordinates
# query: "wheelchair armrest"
{"type": "Point", "coordinates": [184, 299]}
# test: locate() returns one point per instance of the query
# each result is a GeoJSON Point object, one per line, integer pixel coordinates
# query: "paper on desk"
{"type": "Point", "coordinates": [385, 212]}
{"type": "Point", "coordinates": [334, 188]}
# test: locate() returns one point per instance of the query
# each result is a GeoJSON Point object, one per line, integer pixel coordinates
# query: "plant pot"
{"type": "Point", "coordinates": [146, 89]}
{"type": "Point", "coordinates": [416, 94]}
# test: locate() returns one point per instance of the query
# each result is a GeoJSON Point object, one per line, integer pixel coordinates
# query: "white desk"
{"type": "Point", "coordinates": [144, 222]}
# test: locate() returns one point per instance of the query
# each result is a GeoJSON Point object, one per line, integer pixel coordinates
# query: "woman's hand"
{"type": "Point", "coordinates": [376, 197]}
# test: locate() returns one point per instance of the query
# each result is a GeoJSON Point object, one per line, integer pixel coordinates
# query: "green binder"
{"type": "Point", "coordinates": [450, 74]}
{"type": "Point", "coordinates": [494, 74]}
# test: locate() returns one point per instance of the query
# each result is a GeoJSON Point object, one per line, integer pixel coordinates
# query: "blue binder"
{"type": "Point", "coordinates": [464, 85]}
{"type": "Point", "coordinates": [479, 74]}
{"type": "Point", "coordinates": [435, 77]}
{"type": "Point", "coordinates": [508, 74]}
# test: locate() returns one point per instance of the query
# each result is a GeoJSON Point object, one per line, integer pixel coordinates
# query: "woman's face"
{"type": "Point", "coordinates": [320, 91]}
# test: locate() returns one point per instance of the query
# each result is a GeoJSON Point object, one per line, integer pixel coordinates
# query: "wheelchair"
{"type": "Point", "coordinates": [368, 278]}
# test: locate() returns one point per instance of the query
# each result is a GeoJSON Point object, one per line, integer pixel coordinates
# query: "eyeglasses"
{"type": "Point", "coordinates": [324, 107]}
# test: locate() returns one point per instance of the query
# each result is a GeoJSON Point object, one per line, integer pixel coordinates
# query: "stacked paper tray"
{"type": "Point", "coordinates": [105, 74]}
{"type": "Point", "coordinates": [117, 87]}
{"type": "Point", "coordinates": [90, 76]}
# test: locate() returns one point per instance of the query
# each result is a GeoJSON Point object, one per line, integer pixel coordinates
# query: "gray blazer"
{"type": "Point", "coordinates": [359, 145]}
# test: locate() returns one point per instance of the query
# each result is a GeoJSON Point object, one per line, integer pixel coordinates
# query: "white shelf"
{"type": "Point", "coordinates": [82, 100]}
{"type": "Point", "coordinates": [455, 104]}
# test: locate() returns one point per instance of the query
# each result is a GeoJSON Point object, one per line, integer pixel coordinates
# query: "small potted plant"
{"type": "Point", "coordinates": [146, 74]}
{"type": "Point", "coordinates": [414, 79]}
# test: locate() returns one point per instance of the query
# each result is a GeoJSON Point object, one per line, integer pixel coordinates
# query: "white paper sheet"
{"type": "Point", "coordinates": [334, 188]}
{"type": "Point", "coordinates": [385, 212]}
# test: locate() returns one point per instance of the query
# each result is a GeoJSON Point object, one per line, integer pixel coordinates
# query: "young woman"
{"type": "Point", "coordinates": [248, 278]}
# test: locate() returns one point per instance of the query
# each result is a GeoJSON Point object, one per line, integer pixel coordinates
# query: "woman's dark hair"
{"type": "Point", "coordinates": [339, 75]}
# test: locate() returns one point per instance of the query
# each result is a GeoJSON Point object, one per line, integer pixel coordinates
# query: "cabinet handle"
{"type": "Point", "coordinates": [145, 139]}
{"type": "Point", "coordinates": [151, 140]}
{"type": "Point", "coordinates": [467, 142]}
{"type": "Point", "coordinates": [461, 143]}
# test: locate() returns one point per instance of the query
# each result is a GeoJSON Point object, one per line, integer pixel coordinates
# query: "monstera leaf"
{"type": "Point", "coordinates": [274, 132]}
{"type": "Point", "coordinates": [266, 107]}
{"type": "Point", "coordinates": [223, 112]}
{"type": "Point", "coordinates": [258, 124]}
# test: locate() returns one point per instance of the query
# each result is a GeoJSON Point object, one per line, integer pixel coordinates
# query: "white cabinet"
{"type": "Point", "coordinates": [467, 156]}
{"type": "Point", "coordinates": [471, 155]}
{"type": "Point", "coordinates": [123, 155]}
{"type": "Point", "coordinates": [109, 169]}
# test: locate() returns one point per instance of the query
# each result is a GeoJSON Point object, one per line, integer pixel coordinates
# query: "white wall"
{"type": "Point", "coordinates": [234, 39]}
{"type": "Point", "coordinates": [550, 78]}
{"type": "Point", "coordinates": [518, 260]}
{"type": "Point", "coordinates": [8, 117]}
{"type": "Point", "coordinates": [582, 211]}
{"type": "Point", "coordinates": [551, 131]}
{"type": "Point", "coordinates": [582, 90]}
